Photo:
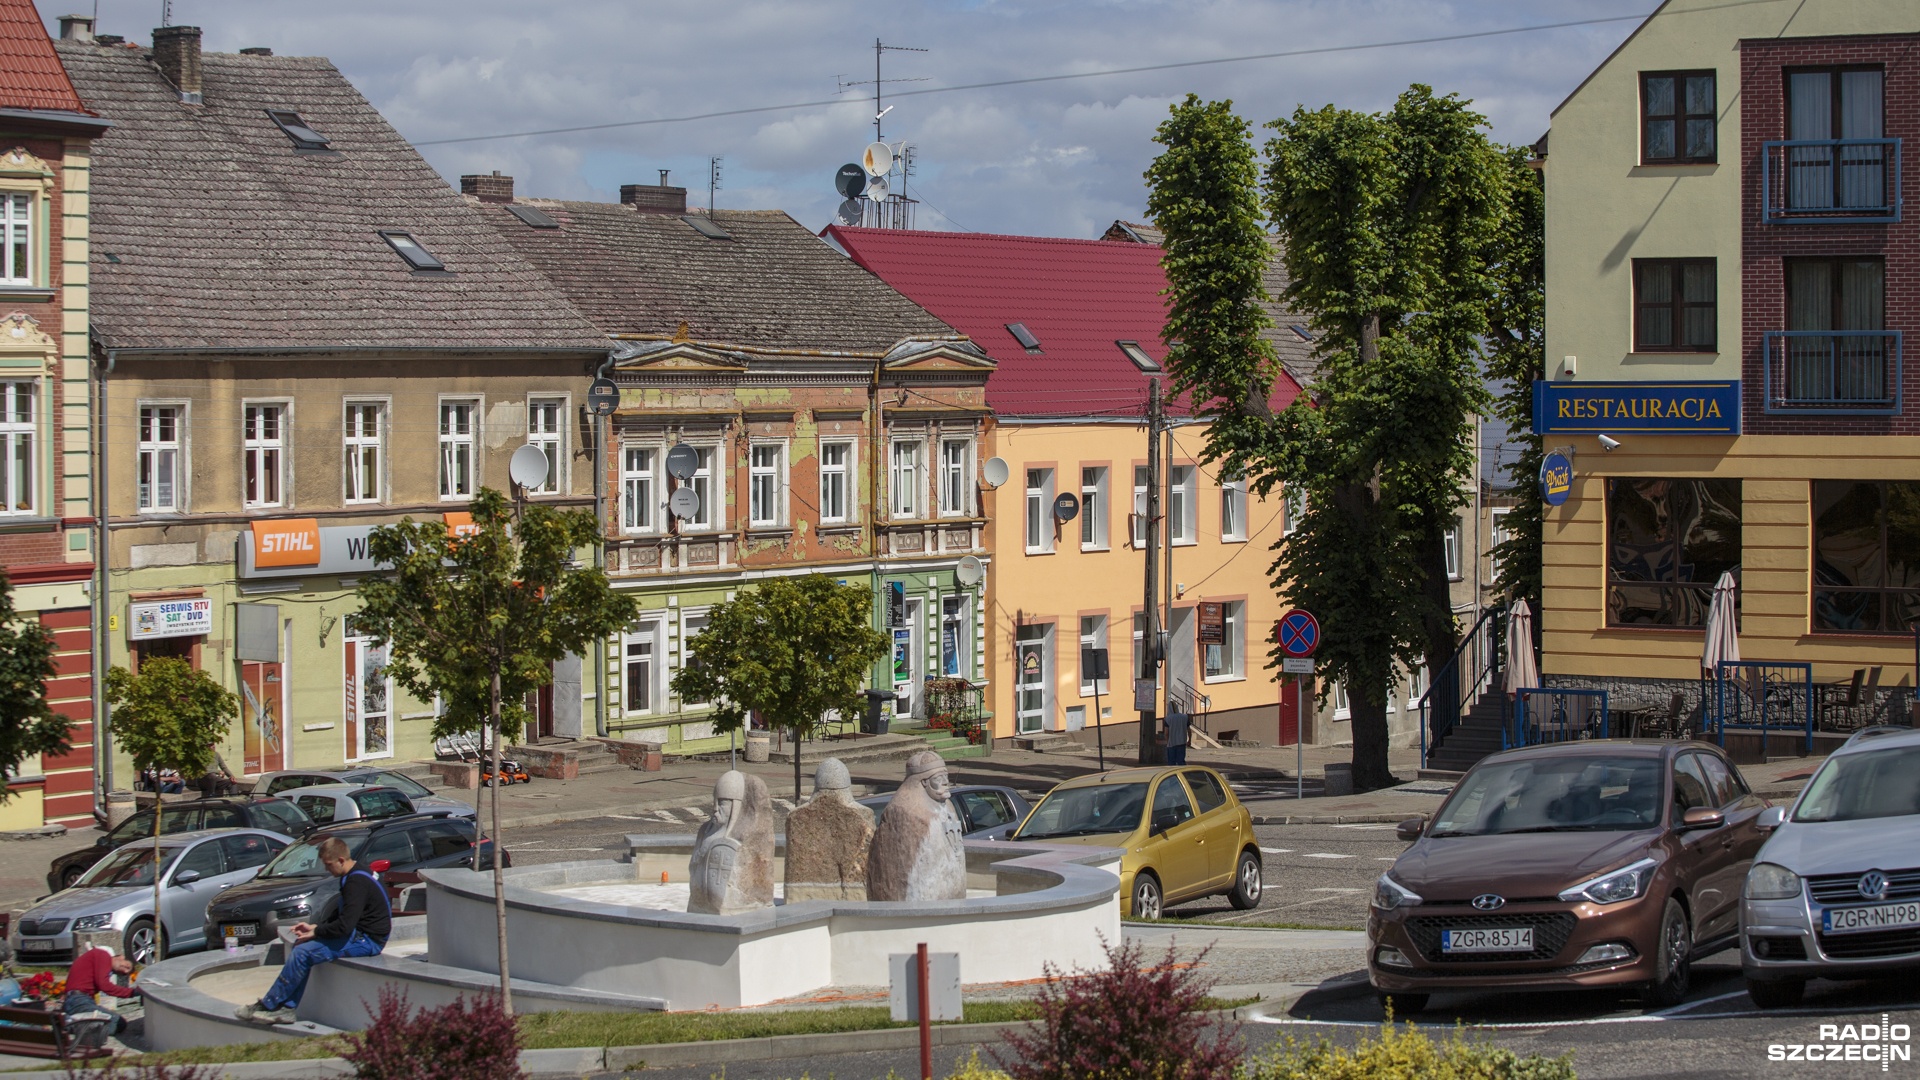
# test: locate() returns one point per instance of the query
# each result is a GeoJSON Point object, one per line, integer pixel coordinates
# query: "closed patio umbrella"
{"type": "Point", "coordinates": [1523, 670]}
{"type": "Point", "coordinates": [1723, 637]}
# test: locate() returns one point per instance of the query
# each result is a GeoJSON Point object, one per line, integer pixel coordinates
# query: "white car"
{"type": "Point", "coordinates": [424, 801]}
{"type": "Point", "coordinates": [1835, 891]}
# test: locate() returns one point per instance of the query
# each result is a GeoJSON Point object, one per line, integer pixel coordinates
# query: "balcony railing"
{"type": "Point", "coordinates": [1836, 372]}
{"type": "Point", "coordinates": [1831, 180]}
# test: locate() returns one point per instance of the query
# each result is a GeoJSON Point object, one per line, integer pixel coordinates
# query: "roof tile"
{"type": "Point", "coordinates": [30, 73]}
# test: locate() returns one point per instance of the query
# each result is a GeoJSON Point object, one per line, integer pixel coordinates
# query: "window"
{"type": "Point", "coordinates": [16, 227]}
{"type": "Point", "coordinates": [419, 258]}
{"type": "Point", "coordinates": [1866, 556]}
{"type": "Point", "coordinates": [262, 441]}
{"type": "Point", "coordinates": [1206, 790]}
{"type": "Point", "coordinates": [956, 636]}
{"type": "Point", "coordinates": [1836, 351]}
{"type": "Point", "coordinates": [443, 839]}
{"type": "Point", "coordinates": [546, 420]}
{"type": "Point", "coordinates": [1674, 305]}
{"type": "Point", "coordinates": [1139, 640]}
{"type": "Point", "coordinates": [18, 433]}
{"type": "Point", "coordinates": [249, 851]}
{"type": "Point", "coordinates": [953, 478]}
{"type": "Point", "coordinates": [1039, 510]}
{"type": "Point", "coordinates": [706, 489]}
{"type": "Point", "coordinates": [1139, 517]}
{"type": "Point", "coordinates": [766, 485]}
{"type": "Point", "coordinates": [1497, 518]}
{"type": "Point", "coordinates": [457, 431]}
{"type": "Point", "coordinates": [1417, 685]}
{"type": "Point", "coordinates": [1024, 336]}
{"type": "Point", "coordinates": [1342, 707]}
{"type": "Point", "coordinates": [381, 803]}
{"type": "Point", "coordinates": [1180, 492]}
{"type": "Point", "coordinates": [639, 489]}
{"type": "Point", "coordinates": [1171, 806]}
{"type": "Point", "coordinates": [641, 672]}
{"type": "Point", "coordinates": [1233, 509]}
{"type": "Point", "coordinates": [223, 817]}
{"type": "Point", "coordinates": [836, 458]}
{"type": "Point", "coordinates": [1450, 540]}
{"type": "Point", "coordinates": [1835, 106]}
{"type": "Point", "coordinates": [1132, 351]}
{"type": "Point", "coordinates": [1677, 118]}
{"type": "Point", "coordinates": [1690, 785]}
{"type": "Point", "coordinates": [303, 134]}
{"type": "Point", "coordinates": [906, 479]}
{"type": "Point", "coordinates": [1293, 510]}
{"type": "Point", "coordinates": [393, 845]}
{"type": "Point", "coordinates": [365, 431]}
{"type": "Point", "coordinates": [692, 625]}
{"type": "Point", "coordinates": [1668, 541]}
{"type": "Point", "coordinates": [1093, 635]}
{"type": "Point", "coordinates": [318, 807]}
{"type": "Point", "coordinates": [1223, 661]}
{"type": "Point", "coordinates": [204, 859]}
{"type": "Point", "coordinates": [1093, 509]}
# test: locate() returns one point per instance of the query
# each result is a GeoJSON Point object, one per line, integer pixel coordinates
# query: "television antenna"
{"type": "Point", "coordinates": [877, 82]}
{"type": "Point", "coordinates": [713, 180]}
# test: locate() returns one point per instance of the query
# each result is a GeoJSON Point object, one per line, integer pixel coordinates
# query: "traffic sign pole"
{"type": "Point", "coordinates": [1298, 634]}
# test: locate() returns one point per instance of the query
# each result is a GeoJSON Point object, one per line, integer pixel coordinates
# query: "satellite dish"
{"type": "Point", "coordinates": [995, 472]}
{"type": "Point", "coordinates": [970, 571]}
{"type": "Point", "coordinates": [683, 503]}
{"type": "Point", "coordinates": [1067, 506]}
{"type": "Point", "coordinates": [849, 180]}
{"type": "Point", "coordinates": [528, 467]}
{"type": "Point", "coordinates": [878, 160]}
{"type": "Point", "coordinates": [602, 397]}
{"type": "Point", "coordinates": [877, 190]}
{"type": "Point", "coordinates": [682, 461]}
{"type": "Point", "coordinates": [850, 212]}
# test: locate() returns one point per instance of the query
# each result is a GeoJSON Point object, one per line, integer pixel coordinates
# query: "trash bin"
{"type": "Point", "coordinates": [1339, 779]}
{"type": "Point", "coordinates": [875, 721]}
{"type": "Point", "coordinates": [120, 807]}
{"type": "Point", "coordinates": [759, 747]}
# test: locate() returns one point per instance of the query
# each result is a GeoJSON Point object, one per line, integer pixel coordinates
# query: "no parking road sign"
{"type": "Point", "coordinates": [1298, 632]}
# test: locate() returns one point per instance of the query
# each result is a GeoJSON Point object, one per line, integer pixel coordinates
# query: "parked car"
{"type": "Point", "coordinates": [1574, 865]}
{"type": "Point", "coordinates": [1835, 891]}
{"type": "Point", "coordinates": [117, 894]}
{"type": "Point", "coordinates": [296, 888]}
{"type": "Point", "coordinates": [1183, 833]}
{"type": "Point", "coordinates": [238, 812]}
{"type": "Point", "coordinates": [986, 813]}
{"type": "Point", "coordinates": [328, 804]}
{"type": "Point", "coordinates": [419, 794]}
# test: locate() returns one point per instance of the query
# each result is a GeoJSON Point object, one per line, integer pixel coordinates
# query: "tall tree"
{"type": "Point", "coordinates": [479, 620]}
{"type": "Point", "coordinates": [28, 726]}
{"type": "Point", "coordinates": [1516, 356]}
{"type": "Point", "coordinates": [793, 649]}
{"type": "Point", "coordinates": [170, 715]}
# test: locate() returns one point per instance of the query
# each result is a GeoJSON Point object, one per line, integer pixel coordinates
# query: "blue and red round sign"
{"type": "Point", "coordinates": [1299, 633]}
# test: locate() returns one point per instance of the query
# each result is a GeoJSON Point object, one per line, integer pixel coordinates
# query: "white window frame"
{"type": "Point", "coordinates": [766, 484]}
{"type": "Point", "coordinates": [956, 617]}
{"type": "Point", "coordinates": [1497, 533]}
{"type": "Point", "coordinates": [1182, 485]}
{"type": "Point", "coordinates": [18, 214]}
{"type": "Point", "coordinates": [1293, 508]}
{"type": "Point", "coordinates": [1233, 510]}
{"type": "Point", "coordinates": [1093, 507]}
{"type": "Point", "coordinates": [550, 438]}
{"type": "Point", "coordinates": [357, 447]}
{"type": "Point", "coordinates": [1233, 650]}
{"type": "Point", "coordinates": [1093, 635]}
{"type": "Point", "coordinates": [19, 447]}
{"type": "Point", "coordinates": [906, 485]}
{"type": "Point", "coordinates": [1039, 519]}
{"type": "Point", "coordinates": [837, 477]}
{"type": "Point", "coordinates": [641, 507]}
{"type": "Point", "coordinates": [1138, 519]}
{"type": "Point", "coordinates": [955, 492]}
{"type": "Point", "coordinates": [1342, 707]}
{"type": "Point", "coordinates": [150, 452]}
{"type": "Point", "coordinates": [688, 616]}
{"type": "Point", "coordinates": [1450, 544]}
{"type": "Point", "coordinates": [264, 455]}
{"type": "Point", "coordinates": [652, 633]}
{"type": "Point", "coordinates": [450, 442]}
{"type": "Point", "coordinates": [709, 485]}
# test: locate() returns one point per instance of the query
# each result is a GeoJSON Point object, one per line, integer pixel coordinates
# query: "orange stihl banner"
{"type": "Point", "coordinates": [460, 523]}
{"type": "Point", "coordinates": [286, 542]}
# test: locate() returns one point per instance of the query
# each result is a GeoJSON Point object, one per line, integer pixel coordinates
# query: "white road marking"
{"type": "Point", "coordinates": [662, 815]}
{"type": "Point", "coordinates": [1372, 826]}
{"type": "Point", "coordinates": [1376, 858]}
{"type": "Point", "coordinates": [1324, 855]}
{"type": "Point", "coordinates": [1277, 850]}
{"type": "Point", "coordinates": [1337, 890]}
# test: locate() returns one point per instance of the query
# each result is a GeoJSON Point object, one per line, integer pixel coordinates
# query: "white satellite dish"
{"type": "Point", "coordinates": [970, 571]}
{"type": "Point", "coordinates": [995, 472]}
{"type": "Point", "coordinates": [683, 503]}
{"type": "Point", "coordinates": [849, 213]}
{"type": "Point", "coordinates": [528, 467]}
{"type": "Point", "coordinates": [877, 190]}
{"type": "Point", "coordinates": [878, 160]}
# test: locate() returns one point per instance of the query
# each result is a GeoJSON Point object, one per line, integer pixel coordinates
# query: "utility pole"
{"type": "Point", "coordinates": [1150, 641]}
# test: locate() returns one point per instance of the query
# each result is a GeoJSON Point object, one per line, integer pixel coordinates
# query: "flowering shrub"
{"type": "Point", "coordinates": [44, 986]}
{"type": "Point", "coordinates": [471, 1039]}
{"type": "Point", "coordinates": [1404, 1051]}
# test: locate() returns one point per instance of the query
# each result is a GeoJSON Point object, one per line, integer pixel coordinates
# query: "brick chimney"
{"type": "Point", "coordinates": [76, 28]}
{"type": "Point", "coordinates": [494, 189]}
{"type": "Point", "coordinates": [658, 198]}
{"type": "Point", "coordinates": [176, 51]}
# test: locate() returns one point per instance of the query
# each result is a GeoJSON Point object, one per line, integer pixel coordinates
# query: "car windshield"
{"type": "Point", "coordinates": [1554, 795]}
{"type": "Point", "coordinates": [1872, 784]}
{"type": "Point", "coordinates": [129, 866]}
{"type": "Point", "coordinates": [302, 859]}
{"type": "Point", "coordinates": [406, 785]}
{"type": "Point", "coordinates": [1085, 811]}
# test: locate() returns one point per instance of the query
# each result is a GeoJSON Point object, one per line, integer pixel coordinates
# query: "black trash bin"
{"type": "Point", "coordinates": [875, 722]}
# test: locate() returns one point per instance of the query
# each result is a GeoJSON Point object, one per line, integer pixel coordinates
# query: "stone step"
{"type": "Point", "coordinates": [1046, 741]}
{"type": "Point", "coordinates": [895, 745]}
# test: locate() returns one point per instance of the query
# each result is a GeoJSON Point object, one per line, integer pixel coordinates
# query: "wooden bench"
{"type": "Point", "coordinates": [40, 1033]}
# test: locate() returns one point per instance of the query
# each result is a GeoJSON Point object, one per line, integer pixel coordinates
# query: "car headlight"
{"type": "Point", "coordinates": [1626, 883]}
{"type": "Point", "coordinates": [294, 898]}
{"type": "Point", "coordinates": [92, 922]}
{"type": "Point", "coordinates": [1389, 894]}
{"type": "Point", "coordinates": [1770, 881]}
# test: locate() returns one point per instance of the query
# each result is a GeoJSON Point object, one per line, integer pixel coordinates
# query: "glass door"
{"type": "Point", "coordinates": [369, 700]}
{"type": "Point", "coordinates": [1031, 688]}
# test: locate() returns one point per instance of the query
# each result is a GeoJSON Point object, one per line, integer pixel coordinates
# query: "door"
{"type": "Point", "coordinates": [1220, 820]}
{"type": "Point", "coordinates": [1176, 842]}
{"type": "Point", "coordinates": [369, 700]}
{"type": "Point", "coordinates": [1030, 654]}
{"type": "Point", "coordinates": [909, 659]}
{"type": "Point", "coordinates": [540, 710]}
{"type": "Point", "coordinates": [184, 903]}
{"type": "Point", "coordinates": [1739, 837]}
{"type": "Point", "coordinates": [1706, 854]}
{"type": "Point", "coordinates": [1181, 647]}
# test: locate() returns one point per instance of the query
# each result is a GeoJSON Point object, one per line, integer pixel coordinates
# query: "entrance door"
{"type": "Point", "coordinates": [1030, 656]}
{"type": "Point", "coordinates": [909, 657]}
{"type": "Point", "coordinates": [369, 699]}
{"type": "Point", "coordinates": [1181, 647]}
{"type": "Point", "coordinates": [540, 712]}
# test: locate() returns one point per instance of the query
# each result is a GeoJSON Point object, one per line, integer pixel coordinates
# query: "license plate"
{"type": "Point", "coordinates": [239, 930]}
{"type": "Point", "coordinates": [1514, 939]}
{"type": "Point", "coordinates": [39, 946]}
{"type": "Point", "coordinates": [1854, 920]}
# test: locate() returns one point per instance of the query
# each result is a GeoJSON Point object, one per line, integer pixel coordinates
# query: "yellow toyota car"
{"type": "Point", "coordinates": [1183, 833]}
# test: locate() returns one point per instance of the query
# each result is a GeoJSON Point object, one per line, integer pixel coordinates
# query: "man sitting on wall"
{"type": "Point", "coordinates": [359, 928]}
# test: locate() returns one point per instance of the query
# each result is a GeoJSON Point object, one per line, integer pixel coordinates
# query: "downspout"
{"type": "Point", "coordinates": [875, 462]}
{"type": "Point", "coordinates": [102, 554]}
{"type": "Point", "coordinates": [600, 546]}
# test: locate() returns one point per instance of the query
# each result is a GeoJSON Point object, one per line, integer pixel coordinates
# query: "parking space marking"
{"type": "Point", "coordinates": [1370, 826]}
{"type": "Point", "coordinates": [1277, 850]}
{"type": "Point", "coordinates": [1324, 855]}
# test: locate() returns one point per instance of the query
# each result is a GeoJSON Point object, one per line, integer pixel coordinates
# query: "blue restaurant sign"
{"type": "Point", "coordinates": [1556, 479]}
{"type": "Point", "coordinates": [1677, 408]}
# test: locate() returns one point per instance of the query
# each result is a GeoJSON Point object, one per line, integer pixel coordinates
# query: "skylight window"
{"type": "Point", "coordinates": [706, 227]}
{"type": "Point", "coordinates": [1138, 355]}
{"type": "Point", "coordinates": [417, 257]}
{"type": "Point", "coordinates": [1300, 332]}
{"type": "Point", "coordinates": [1024, 336]}
{"type": "Point", "coordinates": [303, 135]}
{"type": "Point", "coordinates": [533, 216]}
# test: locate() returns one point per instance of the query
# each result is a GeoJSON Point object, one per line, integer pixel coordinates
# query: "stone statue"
{"type": "Point", "coordinates": [917, 852]}
{"type": "Point", "coordinates": [731, 870]}
{"type": "Point", "coordinates": [827, 840]}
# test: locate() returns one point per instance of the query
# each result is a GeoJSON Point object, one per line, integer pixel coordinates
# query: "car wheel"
{"type": "Point", "coordinates": [1246, 883]}
{"type": "Point", "coordinates": [1399, 1004]}
{"type": "Point", "coordinates": [140, 941]}
{"type": "Point", "coordinates": [1775, 993]}
{"type": "Point", "coordinates": [1146, 896]}
{"type": "Point", "coordinates": [1673, 964]}
{"type": "Point", "coordinates": [71, 876]}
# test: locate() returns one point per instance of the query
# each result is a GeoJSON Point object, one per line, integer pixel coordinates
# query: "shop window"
{"type": "Point", "coordinates": [1668, 542]}
{"type": "Point", "coordinates": [1866, 556]}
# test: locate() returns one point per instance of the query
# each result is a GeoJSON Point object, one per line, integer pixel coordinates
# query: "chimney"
{"type": "Point", "coordinates": [76, 28]}
{"type": "Point", "coordinates": [655, 198]}
{"type": "Point", "coordinates": [176, 50]}
{"type": "Point", "coordinates": [494, 189]}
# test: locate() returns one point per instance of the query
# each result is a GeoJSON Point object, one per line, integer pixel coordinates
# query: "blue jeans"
{"type": "Point", "coordinates": [292, 983]}
{"type": "Point", "coordinates": [1177, 755]}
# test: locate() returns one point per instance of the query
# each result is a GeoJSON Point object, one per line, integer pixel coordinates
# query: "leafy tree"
{"type": "Point", "coordinates": [168, 716]}
{"type": "Point", "coordinates": [793, 649]}
{"type": "Point", "coordinates": [28, 727]}
{"type": "Point", "coordinates": [479, 620]}
{"type": "Point", "coordinates": [1517, 355]}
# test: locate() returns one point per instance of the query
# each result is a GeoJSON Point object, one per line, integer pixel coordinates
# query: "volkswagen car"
{"type": "Point", "coordinates": [1835, 893]}
{"type": "Point", "coordinates": [1609, 863]}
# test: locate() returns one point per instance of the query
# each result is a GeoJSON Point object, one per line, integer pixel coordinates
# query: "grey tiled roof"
{"type": "Point", "coordinates": [774, 284]}
{"type": "Point", "coordinates": [1296, 354]}
{"type": "Point", "coordinates": [210, 232]}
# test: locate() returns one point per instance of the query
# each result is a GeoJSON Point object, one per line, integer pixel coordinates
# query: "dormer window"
{"type": "Point", "coordinates": [418, 257]}
{"type": "Point", "coordinates": [1024, 336]}
{"type": "Point", "coordinates": [1138, 355]}
{"type": "Point", "coordinates": [303, 135]}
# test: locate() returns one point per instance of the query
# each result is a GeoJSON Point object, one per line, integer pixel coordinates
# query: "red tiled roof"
{"type": "Point", "coordinates": [1078, 297]}
{"type": "Point", "coordinates": [30, 74]}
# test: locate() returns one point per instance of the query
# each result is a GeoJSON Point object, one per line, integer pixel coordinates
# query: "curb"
{"type": "Point", "coordinates": [35, 834]}
{"type": "Point", "coordinates": [1274, 1009]}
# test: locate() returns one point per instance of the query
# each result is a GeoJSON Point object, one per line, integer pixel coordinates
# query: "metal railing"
{"type": "Point", "coordinates": [1830, 180]}
{"type": "Point", "coordinates": [1473, 669]}
{"type": "Point", "coordinates": [1848, 372]}
{"type": "Point", "coordinates": [958, 703]}
{"type": "Point", "coordinates": [1182, 697]}
{"type": "Point", "coordinates": [1750, 695]}
{"type": "Point", "coordinates": [1545, 714]}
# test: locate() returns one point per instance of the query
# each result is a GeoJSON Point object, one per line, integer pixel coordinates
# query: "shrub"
{"type": "Point", "coordinates": [973, 1070]}
{"type": "Point", "coordinates": [1404, 1051]}
{"type": "Point", "coordinates": [470, 1039]}
{"type": "Point", "coordinates": [1129, 1022]}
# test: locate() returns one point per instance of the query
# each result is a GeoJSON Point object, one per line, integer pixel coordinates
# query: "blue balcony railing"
{"type": "Point", "coordinates": [1831, 180]}
{"type": "Point", "coordinates": [1835, 372]}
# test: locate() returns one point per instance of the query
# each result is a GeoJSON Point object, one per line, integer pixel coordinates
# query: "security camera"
{"type": "Point", "coordinates": [1609, 443]}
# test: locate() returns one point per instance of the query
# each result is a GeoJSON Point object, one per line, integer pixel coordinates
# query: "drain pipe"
{"type": "Point", "coordinates": [600, 544]}
{"type": "Point", "coordinates": [102, 555]}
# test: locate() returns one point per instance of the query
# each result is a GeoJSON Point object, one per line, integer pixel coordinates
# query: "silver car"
{"type": "Point", "coordinates": [424, 801]}
{"type": "Point", "coordinates": [1835, 892]}
{"type": "Point", "coordinates": [331, 804]}
{"type": "Point", "coordinates": [116, 894]}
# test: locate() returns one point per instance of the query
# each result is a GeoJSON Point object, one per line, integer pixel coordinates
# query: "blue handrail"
{"type": "Point", "coordinates": [1830, 180]}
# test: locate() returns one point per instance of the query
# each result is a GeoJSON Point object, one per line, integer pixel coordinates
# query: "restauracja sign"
{"type": "Point", "coordinates": [1681, 408]}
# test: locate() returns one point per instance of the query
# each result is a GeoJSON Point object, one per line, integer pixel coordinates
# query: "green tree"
{"type": "Point", "coordinates": [479, 619]}
{"type": "Point", "coordinates": [28, 727]}
{"type": "Point", "coordinates": [793, 649]}
{"type": "Point", "coordinates": [169, 716]}
{"type": "Point", "coordinates": [1517, 355]}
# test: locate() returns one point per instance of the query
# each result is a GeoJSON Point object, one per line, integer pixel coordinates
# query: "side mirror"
{"type": "Point", "coordinates": [1410, 829]}
{"type": "Point", "coordinates": [1161, 823]}
{"type": "Point", "coordinates": [1701, 817]}
{"type": "Point", "coordinates": [186, 877]}
{"type": "Point", "coordinates": [1771, 818]}
{"type": "Point", "coordinates": [380, 866]}
{"type": "Point", "coordinates": [103, 842]}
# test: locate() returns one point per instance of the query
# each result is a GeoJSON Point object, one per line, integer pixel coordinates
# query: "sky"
{"type": "Point", "coordinates": [1057, 158]}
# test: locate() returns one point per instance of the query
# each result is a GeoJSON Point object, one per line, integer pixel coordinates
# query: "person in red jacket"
{"type": "Point", "coordinates": [93, 973]}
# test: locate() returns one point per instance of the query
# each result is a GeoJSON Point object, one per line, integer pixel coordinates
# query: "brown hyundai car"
{"type": "Point", "coordinates": [1580, 865]}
